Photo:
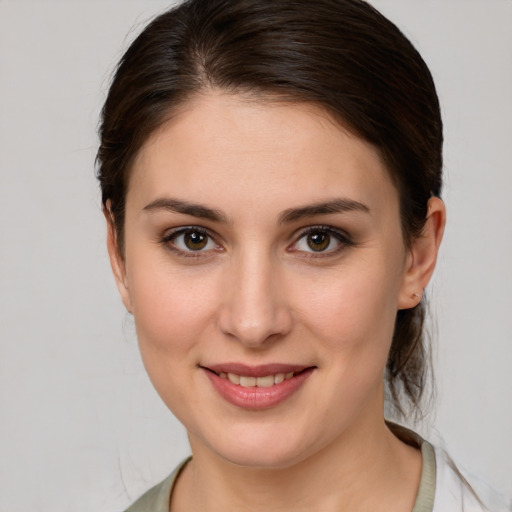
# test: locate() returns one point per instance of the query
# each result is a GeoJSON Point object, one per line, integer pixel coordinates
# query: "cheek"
{"type": "Point", "coordinates": [172, 314]}
{"type": "Point", "coordinates": [353, 312]}
{"type": "Point", "coordinates": [352, 320]}
{"type": "Point", "coordinates": [348, 303]}
{"type": "Point", "coordinates": [171, 308]}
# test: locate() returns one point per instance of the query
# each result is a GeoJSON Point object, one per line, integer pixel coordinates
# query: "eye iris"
{"type": "Point", "coordinates": [195, 241]}
{"type": "Point", "coordinates": [318, 241]}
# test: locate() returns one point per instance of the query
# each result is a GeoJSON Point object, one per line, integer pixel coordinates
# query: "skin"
{"type": "Point", "coordinates": [257, 293]}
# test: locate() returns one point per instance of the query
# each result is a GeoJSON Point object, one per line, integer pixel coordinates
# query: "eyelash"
{"type": "Point", "coordinates": [169, 241]}
{"type": "Point", "coordinates": [343, 239]}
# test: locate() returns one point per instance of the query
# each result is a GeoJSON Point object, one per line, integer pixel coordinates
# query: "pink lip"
{"type": "Point", "coordinates": [255, 398]}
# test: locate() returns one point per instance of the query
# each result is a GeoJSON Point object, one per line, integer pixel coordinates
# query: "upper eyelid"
{"type": "Point", "coordinates": [305, 229]}
{"type": "Point", "coordinates": [321, 227]}
{"type": "Point", "coordinates": [173, 232]}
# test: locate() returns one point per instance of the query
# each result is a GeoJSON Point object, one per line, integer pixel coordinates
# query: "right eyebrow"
{"type": "Point", "coordinates": [339, 205]}
{"type": "Point", "coordinates": [187, 208]}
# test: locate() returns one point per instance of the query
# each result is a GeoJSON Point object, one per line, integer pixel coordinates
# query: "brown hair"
{"type": "Point", "coordinates": [340, 54]}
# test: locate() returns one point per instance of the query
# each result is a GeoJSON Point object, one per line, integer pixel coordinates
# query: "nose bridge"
{"type": "Point", "coordinates": [254, 309]}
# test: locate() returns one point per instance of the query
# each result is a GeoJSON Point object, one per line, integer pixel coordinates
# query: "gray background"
{"type": "Point", "coordinates": [81, 428]}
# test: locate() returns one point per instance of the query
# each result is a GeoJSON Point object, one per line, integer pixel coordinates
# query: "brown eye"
{"type": "Point", "coordinates": [190, 239]}
{"type": "Point", "coordinates": [322, 241]}
{"type": "Point", "coordinates": [318, 241]}
{"type": "Point", "coordinates": [195, 241]}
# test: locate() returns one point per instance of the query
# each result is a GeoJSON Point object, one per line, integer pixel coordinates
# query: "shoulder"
{"type": "Point", "coordinates": [157, 499]}
{"type": "Point", "coordinates": [445, 485]}
{"type": "Point", "coordinates": [456, 493]}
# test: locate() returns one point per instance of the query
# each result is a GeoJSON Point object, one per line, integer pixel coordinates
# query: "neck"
{"type": "Point", "coordinates": [367, 468]}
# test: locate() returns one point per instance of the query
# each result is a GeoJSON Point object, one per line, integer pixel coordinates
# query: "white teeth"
{"type": "Point", "coordinates": [235, 379]}
{"type": "Point", "coordinates": [247, 382]}
{"type": "Point", "coordinates": [262, 382]}
{"type": "Point", "coordinates": [265, 382]}
{"type": "Point", "coordinates": [278, 378]}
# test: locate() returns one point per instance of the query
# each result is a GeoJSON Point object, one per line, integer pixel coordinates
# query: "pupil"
{"type": "Point", "coordinates": [318, 241]}
{"type": "Point", "coordinates": [195, 241]}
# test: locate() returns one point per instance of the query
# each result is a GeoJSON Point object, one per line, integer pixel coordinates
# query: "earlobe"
{"type": "Point", "coordinates": [422, 256]}
{"type": "Point", "coordinates": [116, 259]}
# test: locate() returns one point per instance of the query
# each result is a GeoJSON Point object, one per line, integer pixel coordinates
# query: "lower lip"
{"type": "Point", "coordinates": [255, 398]}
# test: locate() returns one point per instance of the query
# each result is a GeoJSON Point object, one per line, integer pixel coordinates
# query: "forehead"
{"type": "Point", "coordinates": [232, 145]}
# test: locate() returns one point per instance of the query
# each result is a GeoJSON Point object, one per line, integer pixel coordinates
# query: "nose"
{"type": "Point", "coordinates": [254, 308]}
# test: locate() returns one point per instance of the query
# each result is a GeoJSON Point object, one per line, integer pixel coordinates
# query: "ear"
{"type": "Point", "coordinates": [116, 259]}
{"type": "Point", "coordinates": [422, 255]}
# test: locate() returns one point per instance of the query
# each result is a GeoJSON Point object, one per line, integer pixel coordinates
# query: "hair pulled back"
{"type": "Point", "coordinates": [342, 55]}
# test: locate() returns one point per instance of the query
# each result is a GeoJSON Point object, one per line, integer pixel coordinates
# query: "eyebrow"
{"type": "Point", "coordinates": [341, 205]}
{"type": "Point", "coordinates": [187, 208]}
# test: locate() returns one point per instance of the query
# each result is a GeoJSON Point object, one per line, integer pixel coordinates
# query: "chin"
{"type": "Point", "coordinates": [265, 447]}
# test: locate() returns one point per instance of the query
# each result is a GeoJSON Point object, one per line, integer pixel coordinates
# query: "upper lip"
{"type": "Point", "coordinates": [261, 370]}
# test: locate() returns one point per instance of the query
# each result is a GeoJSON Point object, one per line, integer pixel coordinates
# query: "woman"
{"type": "Point", "coordinates": [270, 176]}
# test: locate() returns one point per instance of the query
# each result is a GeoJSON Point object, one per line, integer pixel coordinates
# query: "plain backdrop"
{"type": "Point", "coordinates": [81, 428]}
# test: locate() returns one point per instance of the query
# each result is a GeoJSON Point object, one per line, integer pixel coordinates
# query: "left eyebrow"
{"type": "Point", "coordinates": [334, 206]}
{"type": "Point", "coordinates": [187, 208]}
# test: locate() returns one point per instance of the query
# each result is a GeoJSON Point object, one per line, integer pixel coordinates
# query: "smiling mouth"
{"type": "Point", "coordinates": [257, 387]}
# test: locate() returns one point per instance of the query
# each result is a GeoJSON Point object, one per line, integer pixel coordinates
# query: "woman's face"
{"type": "Point", "coordinates": [262, 239]}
